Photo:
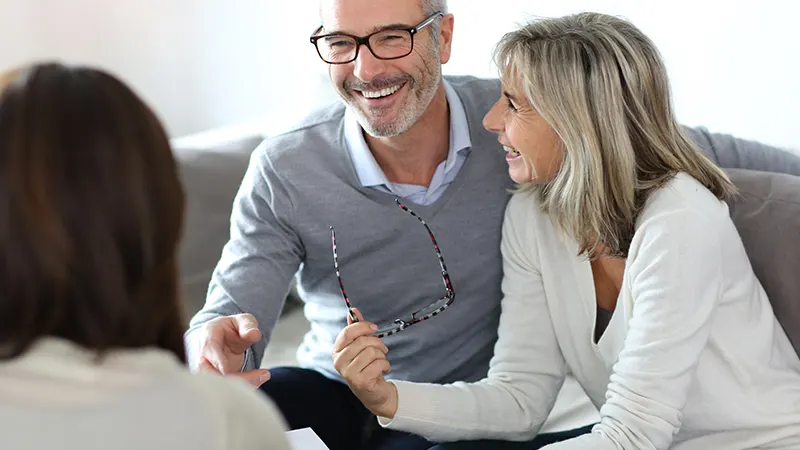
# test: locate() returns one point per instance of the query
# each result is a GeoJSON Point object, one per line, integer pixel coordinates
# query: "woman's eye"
{"type": "Point", "coordinates": [510, 105]}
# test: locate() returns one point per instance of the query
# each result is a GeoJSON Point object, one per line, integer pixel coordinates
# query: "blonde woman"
{"type": "Point", "coordinates": [621, 263]}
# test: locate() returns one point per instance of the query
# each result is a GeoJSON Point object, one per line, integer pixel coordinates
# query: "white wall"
{"type": "Point", "coordinates": [733, 64]}
{"type": "Point", "coordinates": [208, 63]}
{"type": "Point", "coordinates": [200, 63]}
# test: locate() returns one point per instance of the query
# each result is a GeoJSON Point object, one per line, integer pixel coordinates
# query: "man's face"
{"type": "Point", "coordinates": [388, 96]}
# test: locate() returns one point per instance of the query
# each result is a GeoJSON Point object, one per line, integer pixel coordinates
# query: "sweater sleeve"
{"type": "Point", "coordinates": [258, 262]}
{"type": "Point", "coordinates": [526, 371]}
{"type": "Point", "coordinates": [676, 282]}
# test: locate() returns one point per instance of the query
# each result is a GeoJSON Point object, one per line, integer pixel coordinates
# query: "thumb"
{"type": "Point", "coordinates": [247, 326]}
{"type": "Point", "coordinates": [255, 377]}
{"type": "Point", "coordinates": [358, 315]}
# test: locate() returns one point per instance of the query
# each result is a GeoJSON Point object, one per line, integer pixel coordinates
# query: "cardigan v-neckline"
{"type": "Point", "coordinates": [602, 347]}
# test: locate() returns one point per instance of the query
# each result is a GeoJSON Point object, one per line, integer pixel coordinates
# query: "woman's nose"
{"type": "Point", "coordinates": [492, 121]}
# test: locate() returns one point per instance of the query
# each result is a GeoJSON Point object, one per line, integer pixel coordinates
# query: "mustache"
{"type": "Point", "coordinates": [376, 84]}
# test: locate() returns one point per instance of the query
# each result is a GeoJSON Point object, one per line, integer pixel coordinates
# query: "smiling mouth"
{"type": "Point", "coordinates": [511, 151]}
{"type": "Point", "coordinates": [381, 93]}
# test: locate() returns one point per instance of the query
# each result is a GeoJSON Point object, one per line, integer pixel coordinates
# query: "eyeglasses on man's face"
{"type": "Point", "coordinates": [387, 43]}
{"type": "Point", "coordinates": [417, 316]}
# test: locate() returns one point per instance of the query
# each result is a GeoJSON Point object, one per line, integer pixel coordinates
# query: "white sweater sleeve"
{"type": "Point", "coordinates": [526, 371]}
{"type": "Point", "coordinates": [676, 282]}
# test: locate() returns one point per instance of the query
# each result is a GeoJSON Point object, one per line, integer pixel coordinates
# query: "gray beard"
{"type": "Point", "coordinates": [419, 102]}
{"type": "Point", "coordinates": [407, 118]}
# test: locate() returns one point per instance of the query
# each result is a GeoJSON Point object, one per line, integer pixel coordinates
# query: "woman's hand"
{"type": "Point", "coordinates": [361, 359]}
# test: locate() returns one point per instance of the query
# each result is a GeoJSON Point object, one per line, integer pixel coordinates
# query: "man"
{"type": "Point", "coordinates": [402, 132]}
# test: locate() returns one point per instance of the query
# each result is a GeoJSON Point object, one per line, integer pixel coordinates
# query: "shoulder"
{"type": "Point", "coordinates": [240, 405]}
{"type": "Point", "coordinates": [479, 93]}
{"type": "Point", "coordinates": [682, 217]}
{"type": "Point", "coordinates": [471, 83]}
{"type": "Point", "coordinates": [683, 196]}
{"type": "Point", "coordinates": [525, 225]}
{"type": "Point", "coordinates": [309, 146]}
{"type": "Point", "coordinates": [229, 392]}
{"type": "Point", "coordinates": [522, 206]}
{"type": "Point", "coordinates": [317, 131]}
{"type": "Point", "coordinates": [524, 211]}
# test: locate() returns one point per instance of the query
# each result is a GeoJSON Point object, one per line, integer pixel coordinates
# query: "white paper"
{"type": "Point", "coordinates": [305, 439]}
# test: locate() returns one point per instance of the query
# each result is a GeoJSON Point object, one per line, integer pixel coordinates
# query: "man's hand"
{"type": "Point", "coordinates": [222, 344]}
{"type": "Point", "coordinates": [361, 360]}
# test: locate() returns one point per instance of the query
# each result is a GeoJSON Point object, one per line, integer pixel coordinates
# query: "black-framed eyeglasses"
{"type": "Point", "coordinates": [388, 43]}
{"type": "Point", "coordinates": [417, 316]}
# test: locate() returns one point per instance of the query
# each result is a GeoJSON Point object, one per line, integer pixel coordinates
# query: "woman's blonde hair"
{"type": "Point", "coordinates": [601, 85]}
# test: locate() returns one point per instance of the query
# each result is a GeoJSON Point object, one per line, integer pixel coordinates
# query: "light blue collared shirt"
{"type": "Point", "coordinates": [371, 175]}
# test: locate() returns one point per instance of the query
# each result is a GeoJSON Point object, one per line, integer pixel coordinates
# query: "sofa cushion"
{"type": "Point", "coordinates": [729, 151]}
{"type": "Point", "coordinates": [767, 215]}
{"type": "Point", "coordinates": [211, 177]}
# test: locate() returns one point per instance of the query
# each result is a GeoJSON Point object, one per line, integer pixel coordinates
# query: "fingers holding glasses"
{"type": "Point", "coordinates": [353, 331]}
{"type": "Point", "coordinates": [347, 356]}
{"type": "Point", "coordinates": [355, 358]}
{"type": "Point", "coordinates": [368, 371]}
{"type": "Point", "coordinates": [354, 340]}
{"type": "Point", "coordinates": [356, 350]}
{"type": "Point", "coordinates": [361, 360]}
{"type": "Point", "coordinates": [364, 374]}
{"type": "Point", "coordinates": [358, 317]}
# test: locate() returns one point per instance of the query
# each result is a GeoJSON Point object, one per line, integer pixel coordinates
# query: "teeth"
{"type": "Point", "coordinates": [511, 150]}
{"type": "Point", "coordinates": [381, 93]}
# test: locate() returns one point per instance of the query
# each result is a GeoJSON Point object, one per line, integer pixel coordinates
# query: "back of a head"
{"type": "Point", "coordinates": [92, 215]}
{"type": "Point", "coordinates": [601, 84]}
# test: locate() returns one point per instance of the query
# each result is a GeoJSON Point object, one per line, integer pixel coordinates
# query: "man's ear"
{"type": "Point", "coordinates": [446, 38]}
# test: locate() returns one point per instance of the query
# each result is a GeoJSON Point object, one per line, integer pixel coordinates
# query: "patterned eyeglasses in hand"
{"type": "Point", "coordinates": [417, 316]}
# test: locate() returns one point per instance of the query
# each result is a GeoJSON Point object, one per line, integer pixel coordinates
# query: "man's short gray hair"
{"type": "Point", "coordinates": [431, 6]}
{"type": "Point", "coordinates": [428, 7]}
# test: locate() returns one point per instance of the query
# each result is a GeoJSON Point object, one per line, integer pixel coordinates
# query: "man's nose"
{"type": "Point", "coordinates": [366, 66]}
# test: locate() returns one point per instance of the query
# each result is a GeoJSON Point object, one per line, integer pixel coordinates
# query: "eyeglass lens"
{"type": "Point", "coordinates": [387, 44]}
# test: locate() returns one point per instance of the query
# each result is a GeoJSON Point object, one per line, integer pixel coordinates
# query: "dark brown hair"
{"type": "Point", "coordinates": [92, 212]}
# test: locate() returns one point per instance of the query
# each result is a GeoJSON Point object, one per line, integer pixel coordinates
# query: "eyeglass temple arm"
{"type": "Point", "coordinates": [448, 285]}
{"type": "Point", "coordinates": [350, 311]}
{"type": "Point", "coordinates": [426, 22]}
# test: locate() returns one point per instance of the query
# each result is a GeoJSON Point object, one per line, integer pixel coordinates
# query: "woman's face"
{"type": "Point", "coordinates": [533, 149]}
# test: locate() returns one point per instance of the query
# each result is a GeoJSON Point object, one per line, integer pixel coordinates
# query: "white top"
{"type": "Point", "coordinates": [693, 357]}
{"type": "Point", "coordinates": [56, 397]}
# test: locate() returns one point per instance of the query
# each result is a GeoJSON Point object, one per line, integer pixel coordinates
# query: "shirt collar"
{"type": "Point", "coordinates": [370, 173]}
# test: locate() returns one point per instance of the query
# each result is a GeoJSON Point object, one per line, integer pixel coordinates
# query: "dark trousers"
{"type": "Point", "coordinates": [308, 399]}
{"type": "Point", "coordinates": [539, 442]}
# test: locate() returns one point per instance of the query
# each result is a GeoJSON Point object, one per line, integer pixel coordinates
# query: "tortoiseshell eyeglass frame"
{"type": "Point", "coordinates": [401, 324]}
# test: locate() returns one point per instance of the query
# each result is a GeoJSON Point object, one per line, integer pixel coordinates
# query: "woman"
{"type": "Point", "coordinates": [621, 263]}
{"type": "Point", "coordinates": [91, 334]}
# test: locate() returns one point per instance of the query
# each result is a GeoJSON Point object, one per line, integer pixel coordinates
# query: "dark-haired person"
{"type": "Point", "coordinates": [91, 338]}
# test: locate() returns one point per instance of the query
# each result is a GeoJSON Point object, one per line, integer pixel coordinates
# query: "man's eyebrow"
{"type": "Point", "coordinates": [375, 29]}
{"type": "Point", "coordinates": [393, 26]}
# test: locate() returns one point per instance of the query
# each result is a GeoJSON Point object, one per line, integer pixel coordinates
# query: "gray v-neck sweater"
{"type": "Point", "coordinates": [300, 183]}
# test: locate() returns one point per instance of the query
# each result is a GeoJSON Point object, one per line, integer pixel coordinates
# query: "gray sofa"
{"type": "Point", "coordinates": [211, 171]}
{"type": "Point", "coordinates": [767, 215]}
